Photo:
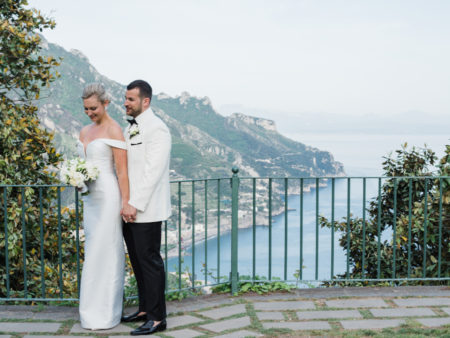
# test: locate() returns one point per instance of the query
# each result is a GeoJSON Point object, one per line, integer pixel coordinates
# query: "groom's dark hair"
{"type": "Point", "coordinates": [145, 90]}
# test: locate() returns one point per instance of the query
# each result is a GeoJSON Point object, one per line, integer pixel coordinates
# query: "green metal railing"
{"type": "Point", "coordinates": [31, 235]}
{"type": "Point", "coordinates": [41, 243]}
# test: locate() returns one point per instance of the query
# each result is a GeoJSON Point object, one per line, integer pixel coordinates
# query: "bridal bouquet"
{"type": "Point", "coordinates": [78, 172]}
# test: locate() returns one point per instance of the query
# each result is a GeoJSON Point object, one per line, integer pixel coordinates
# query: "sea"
{"type": "Point", "coordinates": [319, 249]}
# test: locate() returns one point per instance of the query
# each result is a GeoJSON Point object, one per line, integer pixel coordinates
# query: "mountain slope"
{"type": "Point", "coordinates": [205, 143]}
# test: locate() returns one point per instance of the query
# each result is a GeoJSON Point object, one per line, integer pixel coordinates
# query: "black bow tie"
{"type": "Point", "coordinates": [132, 121]}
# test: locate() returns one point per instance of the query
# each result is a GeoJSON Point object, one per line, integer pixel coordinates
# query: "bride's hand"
{"type": "Point", "coordinates": [128, 213]}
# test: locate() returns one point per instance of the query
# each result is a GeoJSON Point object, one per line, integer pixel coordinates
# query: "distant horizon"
{"type": "Point", "coordinates": [341, 57]}
{"type": "Point", "coordinates": [359, 142]}
{"type": "Point", "coordinates": [288, 122]}
{"type": "Point", "coordinates": [228, 109]}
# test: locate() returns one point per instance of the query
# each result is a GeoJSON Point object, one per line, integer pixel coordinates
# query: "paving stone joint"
{"type": "Point", "coordinates": [221, 316]}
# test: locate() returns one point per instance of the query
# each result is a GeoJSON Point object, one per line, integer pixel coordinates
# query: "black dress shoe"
{"type": "Point", "coordinates": [134, 317]}
{"type": "Point", "coordinates": [148, 328]}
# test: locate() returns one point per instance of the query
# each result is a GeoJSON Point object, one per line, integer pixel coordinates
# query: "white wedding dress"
{"type": "Point", "coordinates": [102, 280]}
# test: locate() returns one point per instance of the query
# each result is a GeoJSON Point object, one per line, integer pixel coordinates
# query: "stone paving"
{"type": "Point", "coordinates": [325, 311]}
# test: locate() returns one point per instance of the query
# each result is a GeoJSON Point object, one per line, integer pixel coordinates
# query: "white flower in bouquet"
{"type": "Point", "coordinates": [77, 179]}
{"type": "Point", "coordinates": [92, 171]}
{"type": "Point", "coordinates": [77, 173]}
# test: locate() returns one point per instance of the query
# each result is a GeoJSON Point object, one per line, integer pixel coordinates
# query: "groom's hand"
{"type": "Point", "coordinates": [128, 213]}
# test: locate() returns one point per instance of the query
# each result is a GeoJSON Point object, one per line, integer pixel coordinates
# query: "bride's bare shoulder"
{"type": "Point", "coordinates": [115, 131]}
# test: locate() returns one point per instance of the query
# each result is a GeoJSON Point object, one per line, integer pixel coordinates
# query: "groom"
{"type": "Point", "coordinates": [148, 144]}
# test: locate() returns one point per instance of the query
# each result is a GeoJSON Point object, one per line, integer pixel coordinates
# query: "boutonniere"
{"type": "Point", "coordinates": [133, 131]}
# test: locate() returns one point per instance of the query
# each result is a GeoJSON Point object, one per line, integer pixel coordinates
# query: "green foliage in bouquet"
{"type": "Point", "coordinates": [410, 241]}
{"type": "Point", "coordinates": [27, 157]}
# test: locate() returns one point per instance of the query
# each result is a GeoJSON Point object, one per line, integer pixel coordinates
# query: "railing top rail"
{"type": "Point", "coordinates": [245, 178]}
{"type": "Point", "coordinates": [309, 178]}
{"type": "Point", "coordinates": [200, 180]}
{"type": "Point", "coordinates": [339, 177]}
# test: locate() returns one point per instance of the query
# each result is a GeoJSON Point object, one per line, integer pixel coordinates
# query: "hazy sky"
{"type": "Point", "coordinates": [335, 56]}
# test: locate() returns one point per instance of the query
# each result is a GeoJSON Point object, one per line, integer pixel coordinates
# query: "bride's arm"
{"type": "Point", "coordinates": [120, 161]}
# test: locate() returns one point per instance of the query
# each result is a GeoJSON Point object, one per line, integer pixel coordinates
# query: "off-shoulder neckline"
{"type": "Point", "coordinates": [98, 138]}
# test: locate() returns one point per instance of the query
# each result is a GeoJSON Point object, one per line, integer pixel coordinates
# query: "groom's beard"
{"type": "Point", "coordinates": [135, 112]}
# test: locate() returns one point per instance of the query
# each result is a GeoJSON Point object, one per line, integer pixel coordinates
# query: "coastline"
{"type": "Point", "coordinates": [245, 221]}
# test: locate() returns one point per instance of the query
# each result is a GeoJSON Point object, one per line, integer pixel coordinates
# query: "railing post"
{"type": "Point", "coordinates": [234, 230]}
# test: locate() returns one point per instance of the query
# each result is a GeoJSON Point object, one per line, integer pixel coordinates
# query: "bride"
{"type": "Point", "coordinates": [102, 143]}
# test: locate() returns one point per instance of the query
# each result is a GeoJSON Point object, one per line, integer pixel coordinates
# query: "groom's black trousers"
{"type": "Point", "coordinates": [144, 243]}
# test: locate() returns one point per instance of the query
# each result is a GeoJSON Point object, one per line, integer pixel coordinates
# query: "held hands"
{"type": "Point", "coordinates": [128, 213]}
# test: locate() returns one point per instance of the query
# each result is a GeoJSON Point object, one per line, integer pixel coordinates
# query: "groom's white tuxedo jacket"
{"type": "Point", "coordinates": [148, 147]}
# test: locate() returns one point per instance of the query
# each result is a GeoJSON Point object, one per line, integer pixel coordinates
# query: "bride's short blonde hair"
{"type": "Point", "coordinates": [95, 89]}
